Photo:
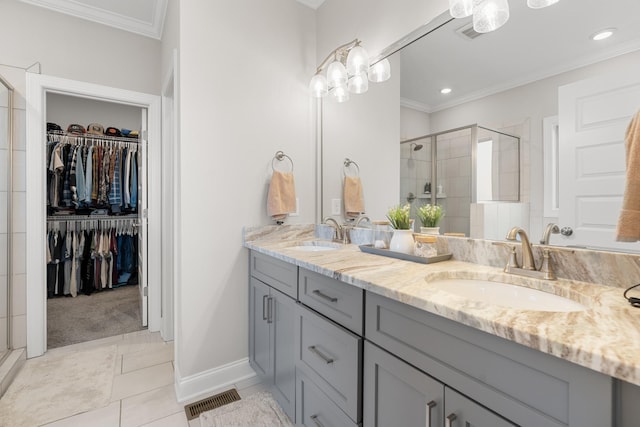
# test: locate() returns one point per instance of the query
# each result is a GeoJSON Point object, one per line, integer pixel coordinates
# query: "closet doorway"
{"type": "Point", "coordinates": [52, 99]}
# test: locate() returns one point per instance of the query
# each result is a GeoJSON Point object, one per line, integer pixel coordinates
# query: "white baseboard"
{"type": "Point", "coordinates": [213, 380]}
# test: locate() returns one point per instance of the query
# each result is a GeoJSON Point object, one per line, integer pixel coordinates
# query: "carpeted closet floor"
{"type": "Point", "coordinates": [90, 317]}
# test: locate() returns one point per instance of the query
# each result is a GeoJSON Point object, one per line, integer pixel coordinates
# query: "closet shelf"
{"type": "Point", "coordinates": [91, 137]}
{"type": "Point", "coordinates": [90, 217]}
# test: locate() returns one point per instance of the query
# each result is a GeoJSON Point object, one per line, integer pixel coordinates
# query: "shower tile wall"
{"type": "Point", "coordinates": [454, 175]}
{"type": "Point", "coordinates": [415, 172]}
{"type": "Point", "coordinates": [17, 78]}
{"type": "Point", "coordinates": [4, 164]}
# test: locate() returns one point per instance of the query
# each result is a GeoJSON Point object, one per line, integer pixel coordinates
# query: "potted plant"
{"type": "Point", "coordinates": [430, 216]}
{"type": "Point", "coordinates": [402, 239]}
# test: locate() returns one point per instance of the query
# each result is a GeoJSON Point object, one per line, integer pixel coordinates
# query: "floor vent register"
{"type": "Point", "coordinates": [194, 410]}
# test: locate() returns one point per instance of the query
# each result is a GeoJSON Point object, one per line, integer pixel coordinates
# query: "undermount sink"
{"type": "Point", "coordinates": [316, 246]}
{"type": "Point", "coordinates": [507, 295]}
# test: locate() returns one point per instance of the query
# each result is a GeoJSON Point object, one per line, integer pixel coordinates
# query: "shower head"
{"type": "Point", "coordinates": [416, 147]}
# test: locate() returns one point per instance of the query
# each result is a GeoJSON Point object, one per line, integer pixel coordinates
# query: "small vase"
{"type": "Point", "coordinates": [430, 230]}
{"type": "Point", "coordinates": [402, 241]}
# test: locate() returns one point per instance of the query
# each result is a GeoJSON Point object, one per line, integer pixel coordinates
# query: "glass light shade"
{"type": "Point", "coordinates": [489, 15]}
{"type": "Point", "coordinates": [357, 61]}
{"type": "Point", "coordinates": [319, 86]}
{"type": "Point", "coordinates": [539, 4]}
{"type": "Point", "coordinates": [336, 74]}
{"type": "Point", "coordinates": [340, 93]}
{"type": "Point", "coordinates": [380, 71]}
{"type": "Point", "coordinates": [358, 84]}
{"type": "Point", "coordinates": [460, 8]}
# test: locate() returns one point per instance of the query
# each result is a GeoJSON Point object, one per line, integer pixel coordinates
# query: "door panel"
{"type": "Point", "coordinates": [464, 412]}
{"type": "Point", "coordinates": [259, 336]}
{"type": "Point", "coordinates": [594, 115]}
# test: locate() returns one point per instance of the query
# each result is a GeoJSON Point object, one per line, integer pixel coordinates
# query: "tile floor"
{"type": "Point", "coordinates": [143, 392]}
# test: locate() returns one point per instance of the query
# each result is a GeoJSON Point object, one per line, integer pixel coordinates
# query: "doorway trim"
{"type": "Point", "coordinates": [38, 86]}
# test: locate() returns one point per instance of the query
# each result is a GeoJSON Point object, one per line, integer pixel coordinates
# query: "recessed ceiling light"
{"type": "Point", "coordinates": [603, 34]}
{"type": "Point", "coordinates": [445, 90]}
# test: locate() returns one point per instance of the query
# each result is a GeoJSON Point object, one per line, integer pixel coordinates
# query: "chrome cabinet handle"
{"type": "Point", "coordinates": [270, 309]}
{"type": "Point", "coordinates": [314, 350]}
{"type": "Point", "coordinates": [327, 297]}
{"type": "Point", "coordinates": [430, 407]}
{"type": "Point", "coordinates": [450, 419]}
{"type": "Point", "coordinates": [314, 418]}
{"type": "Point", "coordinates": [264, 311]}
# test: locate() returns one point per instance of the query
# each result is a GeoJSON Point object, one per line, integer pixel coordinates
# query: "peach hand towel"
{"type": "Point", "coordinates": [629, 221]}
{"type": "Point", "coordinates": [352, 193]}
{"type": "Point", "coordinates": [281, 199]}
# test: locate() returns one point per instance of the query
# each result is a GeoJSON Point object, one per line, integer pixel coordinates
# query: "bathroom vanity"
{"type": "Point", "coordinates": [345, 338]}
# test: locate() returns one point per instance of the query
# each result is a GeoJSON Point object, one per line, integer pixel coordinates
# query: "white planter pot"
{"type": "Point", "coordinates": [402, 241]}
{"type": "Point", "coordinates": [430, 230]}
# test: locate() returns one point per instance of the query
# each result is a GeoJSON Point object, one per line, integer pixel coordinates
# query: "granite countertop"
{"type": "Point", "coordinates": [605, 337]}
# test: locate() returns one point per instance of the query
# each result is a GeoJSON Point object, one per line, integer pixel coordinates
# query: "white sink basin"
{"type": "Point", "coordinates": [316, 246]}
{"type": "Point", "coordinates": [507, 295]}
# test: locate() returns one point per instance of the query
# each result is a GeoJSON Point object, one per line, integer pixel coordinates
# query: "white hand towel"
{"type": "Point", "coordinates": [281, 199]}
{"type": "Point", "coordinates": [629, 221]}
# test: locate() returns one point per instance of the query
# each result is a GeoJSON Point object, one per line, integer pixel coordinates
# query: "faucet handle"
{"type": "Point", "coordinates": [512, 261]}
{"type": "Point", "coordinates": [545, 267]}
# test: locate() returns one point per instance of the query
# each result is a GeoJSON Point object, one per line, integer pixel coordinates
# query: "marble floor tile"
{"type": "Point", "coordinates": [109, 416]}
{"type": "Point", "coordinates": [133, 343]}
{"type": "Point", "coordinates": [176, 420]}
{"type": "Point", "coordinates": [153, 354]}
{"type": "Point", "coordinates": [142, 380]}
{"type": "Point", "coordinates": [150, 406]}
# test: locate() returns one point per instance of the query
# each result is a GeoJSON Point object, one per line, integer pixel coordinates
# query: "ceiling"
{"type": "Point", "coordinates": [532, 45]}
{"type": "Point", "coordinates": [144, 17]}
{"type": "Point", "coordinates": [313, 4]}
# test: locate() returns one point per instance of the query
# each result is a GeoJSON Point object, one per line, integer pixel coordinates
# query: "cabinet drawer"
{"type": "Point", "coordinates": [276, 273]}
{"type": "Point", "coordinates": [330, 355]}
{"type": "Point", "coordinates": [339, 301]}
{"type": "Point", "coordinates": [314, 408]}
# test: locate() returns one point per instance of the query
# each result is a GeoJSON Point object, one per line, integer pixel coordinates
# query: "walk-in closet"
{"type": "Point", "coordinates": [95, 164]}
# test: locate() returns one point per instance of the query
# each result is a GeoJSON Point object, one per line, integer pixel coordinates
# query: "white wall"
{"type": "Point", "coordinates": [65, 110]}
{"type": "Point", "coordinates": [70, 48]}
{"type": "Point", "coordinates": [244, 70]}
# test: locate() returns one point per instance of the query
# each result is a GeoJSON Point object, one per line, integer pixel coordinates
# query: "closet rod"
{"type": "Point", "coordinates": [90, 137]}
{"type": "Point", "coordinates": [91, 218]}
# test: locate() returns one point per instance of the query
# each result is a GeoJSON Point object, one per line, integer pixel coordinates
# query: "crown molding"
{"type": "Point", "coordinates": [148, 28]}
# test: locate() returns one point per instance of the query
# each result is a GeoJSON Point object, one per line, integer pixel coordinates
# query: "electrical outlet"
{"type": "Point", "coordinates": [297, 212]}
{"type": "Point", "coordinates": [336, 206]}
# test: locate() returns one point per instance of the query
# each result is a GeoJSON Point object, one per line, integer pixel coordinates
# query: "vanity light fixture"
{"type": "Point", "coordinates": [489, 15]}
{"type": "Point", "coordinates": [348, 71]}
{"type": "Point", "coordinates": [603, 34]}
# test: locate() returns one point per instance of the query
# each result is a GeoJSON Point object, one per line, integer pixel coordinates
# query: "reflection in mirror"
{"type": "Point", "coordinates": [6, 96]}
{"type": "Point", "coordinates": [509, 80]}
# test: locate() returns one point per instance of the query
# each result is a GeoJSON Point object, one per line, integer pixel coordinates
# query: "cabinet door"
{"type": "Point", "coordinates": [259, 330]}
{"type": "Point", "coordinates": [463, 412]}
{"type": "Point", "coordinates": [282, 324]}
{"type": "Point", "coordinates": [397, 394]}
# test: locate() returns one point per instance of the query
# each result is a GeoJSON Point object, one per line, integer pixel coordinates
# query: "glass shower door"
{"type": "Point", "coordinates": [6, 95]}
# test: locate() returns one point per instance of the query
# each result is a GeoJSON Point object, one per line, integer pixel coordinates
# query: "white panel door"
{"type": "Point", "coordinates": [143, 277]}
{"type": "Point", "coordinates": [593, 116]}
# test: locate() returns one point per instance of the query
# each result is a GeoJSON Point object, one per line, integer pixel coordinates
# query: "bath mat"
{"type": "Point", "coordinates": [258, 410]}
{"type": "Point", "coordinates": [52, 387]}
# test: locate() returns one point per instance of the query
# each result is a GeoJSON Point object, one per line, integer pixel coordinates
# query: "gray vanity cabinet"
{"type": "Point", "coordinates": [397, 394]}
{"type": "Point", "coordinates": [271, 337]}
{"type": "Point", "coordinates": [525, 386]}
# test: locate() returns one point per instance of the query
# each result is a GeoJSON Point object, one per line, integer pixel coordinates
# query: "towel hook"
{"type": "Point", "coordinates": [280, 156]}
{"type": "Point", "coordinates": [347, 163]}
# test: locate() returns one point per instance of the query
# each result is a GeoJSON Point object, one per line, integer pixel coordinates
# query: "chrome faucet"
{"type": "Point", "coordinates": [528, 264]}
{"type": "Point", "coordinates": [550, 229]}
{"type": "Point", "coordinates": [335, 225]}
{"type": "Point", "coordinates": [527, 255]}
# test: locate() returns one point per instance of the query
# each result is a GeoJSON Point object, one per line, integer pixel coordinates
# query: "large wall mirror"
{"type": "Point", "coordinates": [509, 81]}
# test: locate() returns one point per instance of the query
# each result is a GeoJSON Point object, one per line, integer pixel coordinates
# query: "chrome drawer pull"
{"type": "Point", "coordinates": [450, 419]}
{"type": "Point", "coordinates": [327, 297]}
{"type": "Point", "coordinates": [270, 309]}
{"type": "Point", "coordinates": [313, 349]}
{"type": "Point", "coordinates": [430, 406]}
{"type": "Point", "coordinates": [264, 311]}
{"type": "Point", "coordinates": [314, 418]}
